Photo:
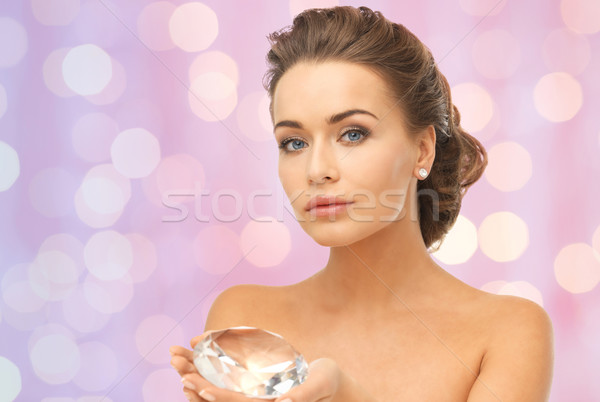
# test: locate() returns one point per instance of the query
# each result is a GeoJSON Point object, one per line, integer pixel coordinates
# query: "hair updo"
{"type": "Point", "coordinates": [366, 37]}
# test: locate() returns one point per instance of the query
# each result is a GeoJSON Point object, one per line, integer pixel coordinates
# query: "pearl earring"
{"type": "Point", "coordinates": [423, 173]}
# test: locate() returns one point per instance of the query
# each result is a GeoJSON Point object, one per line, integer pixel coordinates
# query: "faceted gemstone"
{"type": "Point", "coordinates": [257, 363]}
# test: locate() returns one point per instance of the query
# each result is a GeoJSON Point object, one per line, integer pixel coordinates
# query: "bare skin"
{"type": "Point", "coordinates": [391, 324]}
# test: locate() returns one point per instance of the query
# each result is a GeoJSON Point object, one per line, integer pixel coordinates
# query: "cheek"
{"type": "Point", "coordinates": [390, 169]}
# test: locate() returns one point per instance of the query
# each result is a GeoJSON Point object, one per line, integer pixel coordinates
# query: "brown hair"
{"type": "Point", "coordinates": [366, 37]}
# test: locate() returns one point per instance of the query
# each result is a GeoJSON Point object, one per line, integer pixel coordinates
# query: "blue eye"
{"type": "Point", "coordinates": [355, 136]}
{"type": "Point", "coordinates": [294, 141]}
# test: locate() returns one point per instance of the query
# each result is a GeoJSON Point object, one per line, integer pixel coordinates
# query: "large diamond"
{"type": "Point", "coordinates": [257, 363]}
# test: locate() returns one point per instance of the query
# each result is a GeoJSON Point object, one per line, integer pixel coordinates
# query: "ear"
{"type": "Point", "coordinates": [425, 152]}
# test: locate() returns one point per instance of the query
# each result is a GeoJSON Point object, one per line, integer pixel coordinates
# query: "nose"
{"type": "Point", "coordinates": [322, 164]}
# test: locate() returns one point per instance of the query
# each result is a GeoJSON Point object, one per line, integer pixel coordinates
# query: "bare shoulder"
{"type": "Point", "coordinates": [518, 319]}
{"type": "Point", "coordinates": [518, 361]}
{"type": "Point", "coordinates": [242, 305]}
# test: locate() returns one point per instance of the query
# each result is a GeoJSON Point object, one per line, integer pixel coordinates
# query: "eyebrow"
{"type": "Point", "coordinates": [336, 118]}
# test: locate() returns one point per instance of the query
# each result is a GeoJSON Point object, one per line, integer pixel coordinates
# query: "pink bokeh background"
{"type": "Point", "coordinates": [138, 178]}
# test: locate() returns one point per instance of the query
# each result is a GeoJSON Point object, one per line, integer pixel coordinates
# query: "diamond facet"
{"type": "Point", "coordinates": [255, 362]}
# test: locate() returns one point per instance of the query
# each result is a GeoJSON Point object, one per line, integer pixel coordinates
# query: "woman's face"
{"type": "Point", "coordinates": [341, 134]}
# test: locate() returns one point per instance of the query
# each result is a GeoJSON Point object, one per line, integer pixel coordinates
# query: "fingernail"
{"type": "Point", "coordinates": [207, 396]}
{"type": "Point", "coordinates": [286, 400]}
{"type": "Point", "coordinates": [188, 384]}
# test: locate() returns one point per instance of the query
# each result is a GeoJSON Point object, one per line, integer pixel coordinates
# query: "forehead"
{"type": "Point", "coordinates": [309, 89]}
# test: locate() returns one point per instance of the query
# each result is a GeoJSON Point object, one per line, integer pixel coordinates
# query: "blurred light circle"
{"type": "Point", "coordinates": [17, 292]}
{"type": "Point", "coordinates": [80, 315]}
{"type": "Point", "coordinates": [53, 75]}
{"type": "Point", "coordinates": [297, 6]}
{"type": "Point", "coordinates": [20, 297]}
{"type": "Point", "coordinates": [253, 115]}
{"type": "Point", "coordinates": [23, 321]}
{"type": "Point", "coordinates": [55, 12]}
{"type": "Point", "coordinates": [99, 367]}
{"type": "Point", "coordinates": [55, 359]}
{"type": "Point", "coordinates": [108, 255]}
{"type": "Point", "coordinates": [155, 334]}
{"type": "Point", "coordinates": [577, 268]}
{"type": "Point", "coordinates": [193, 26]}
{"type": "Point", "coordinates": [108, 297]}
{"type": "Point", "coordinates": [46, 329]}
{"type": "Point", "coordinates": [145, 259]}
{"type": "Point", "coordinates": [213, 85]}
{"type": "Point", "coordinates": [566, 51]}
{"type": "Point", "coordinates": [3, 101]}
{"type": "Point", "coordinates": [10, 167]}
{"type": "Point", "coordinates": [496, 54]}
{"type": "Point", "coordinates": [460, 243]}
{"type": "Point", "coordinates": [87, 69]}
{"type": "Point", "coordinates": [93, 218]}
{"type": "Point", "coordinates": [214, 61]}
{"type": "Point", "coordinates": [103, 194]}
{"type": "Point", "coordinates": [10, 380]}
{"type": "Point", "coordinates": [180, 172]}
{"type": "Point", "coordinates": [265, 243]}
{"type": "Point", "coordinates": [153, 25]}
{"type": "Point", "coordinates": [92, 136]}
{"type": "Point", "coordinates": [51, 192]}
{"type": "Point", "coordinates": [482, 7]}
{"type": "Point", "coordinates": [522, 289]}
{"type": "Point", "coordinates": [558, 97]}
{"type": "Point", "coordinates": [518, 288]}
{"type": "Point", "coordinates": [135, 153]}
{"type": "Point", "coordinates": [581, 16]}
{"type": "Point", "coordinates": [53, 275]}
{"type": "Point", "coordinates": [114, 89]}
{"type": "Point", "coordinates": [161, 385]}
{"type": "Point", "coordinates": [67, 244]}
{"type": "Point", "coordinates": [217, 249]}
{"type": "Point", "coordinates": [474, 104]}
{"type": "Point", "coordinates": [509, 166]}
{"type": "Point", "coordinates": [13, 42]}
{"type": "Point", "coordinates": [503, 236]}
{"type": "Point", "coordinates": [212, 96]}
{"type": "Point", "coordinates": [493, 286]}
{"type": "Point", "coordinates": [178, 179]}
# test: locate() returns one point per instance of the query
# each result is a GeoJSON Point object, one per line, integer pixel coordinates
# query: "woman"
{"type": "Point", "coordinates": [365, 123]}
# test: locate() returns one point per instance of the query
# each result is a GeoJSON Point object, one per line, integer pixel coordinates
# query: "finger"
{"type": "Point", "coordinates": [192, 396]}
{"type": "Point", "coordinates": [197, 339]}
{"type": "Point", "coordinates": [207, 391]}
{"type": "Point", "coordinates": [177, 350]}
{"type": "Point", "coordinates": [183, 365]}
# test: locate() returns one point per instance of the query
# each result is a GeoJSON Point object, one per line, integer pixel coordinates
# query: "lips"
{"type": "Point", "coordinates": [321, 200]}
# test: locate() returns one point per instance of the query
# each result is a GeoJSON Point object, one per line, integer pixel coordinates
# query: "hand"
{"type": "Point", "coordinates": [195, 387]}
{"type": "Point", "coordinates": [325, 382]}
{"type": "Point", "coordinates": [321, 385]}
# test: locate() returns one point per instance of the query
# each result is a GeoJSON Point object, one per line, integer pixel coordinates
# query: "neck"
{"type": "Point", "coordinates": [392, 263]}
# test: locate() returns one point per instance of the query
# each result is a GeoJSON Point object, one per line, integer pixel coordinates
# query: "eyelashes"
{"type": "Point", "coordinates": [356, 134]}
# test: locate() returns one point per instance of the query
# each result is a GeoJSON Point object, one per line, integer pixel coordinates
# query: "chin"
{"type": "Point", "coordinates": [342, 235]}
